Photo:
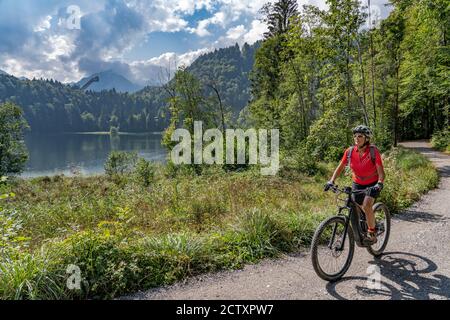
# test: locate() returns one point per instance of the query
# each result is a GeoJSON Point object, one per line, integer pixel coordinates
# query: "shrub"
{"type": "Point", "coordinates": [144, 172]}
{"type": "Point", "coordinates": [299, 160]}
{"type": "Point", "coordinates": [441, 140]}
{"type": "Point", "coordinates": [173, 170]}
{"type": "Point", "coordinates": [13, 152]}
{"type": "Point", "coordinates": [119, 163]}
{"type": "Point", "coordinates": [408, 160]}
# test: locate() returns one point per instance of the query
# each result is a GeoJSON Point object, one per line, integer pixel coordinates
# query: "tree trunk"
{"type": "Point", "coordinates": [366, 117]}
{"type": "Point", "coordinates": [299, 82]}
{"type": "Point", "coordinates": [396, 108]}
{"type": "Point", "coordinates": [372, 71]}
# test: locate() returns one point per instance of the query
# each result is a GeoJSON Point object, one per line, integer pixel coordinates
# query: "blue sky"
{"type": "Point", "coordinates": [69, 39]}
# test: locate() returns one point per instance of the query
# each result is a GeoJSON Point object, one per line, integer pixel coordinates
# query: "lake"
{"type": "Point", "coordinates": [53, 154]}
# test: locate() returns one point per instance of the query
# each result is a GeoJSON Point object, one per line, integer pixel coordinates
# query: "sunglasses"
{"type": "Point", "coordinates": [358, 136]}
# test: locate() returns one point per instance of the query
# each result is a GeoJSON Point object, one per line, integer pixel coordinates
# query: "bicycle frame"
{"type": "Point", "coordinates": [353, 219]}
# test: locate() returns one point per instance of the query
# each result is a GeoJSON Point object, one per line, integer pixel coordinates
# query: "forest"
{"type": "Point", "coordinates": [51, 106]}
{"type": "Point", "coordinates": [320, 73]}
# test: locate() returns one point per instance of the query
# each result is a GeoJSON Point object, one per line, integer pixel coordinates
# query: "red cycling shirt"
{"type": "Point", "coordinates": [364, 171]}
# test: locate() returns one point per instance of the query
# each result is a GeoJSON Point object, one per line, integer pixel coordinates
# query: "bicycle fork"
{"type": "Point", "coordinates": [353, 219]}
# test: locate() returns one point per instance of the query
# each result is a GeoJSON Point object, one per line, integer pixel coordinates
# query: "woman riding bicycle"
{"type": "Point", "coordinates": [367, 174]}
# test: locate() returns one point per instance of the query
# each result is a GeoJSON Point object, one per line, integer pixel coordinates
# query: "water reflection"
{"type": "Point", "coordinates": [86, 153]}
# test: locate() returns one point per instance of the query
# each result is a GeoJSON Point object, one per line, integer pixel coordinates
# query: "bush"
{"type": "Point", "coordinates": [13, 152]}
{"type": "Point", "coordinates": [203, 210]}
{"type": "Point", "coordinates": [144, 172]}
{"type": "Point", "coordinates": [299, 160]}
{"type": "Point", "coordinates": [441, 140]}
{"type": "Point", "coordinates": [173, 170]}
{"type": "Point", "coordinates": [119, 163]}
{"type": "Point", "coordinates": [383, 139]}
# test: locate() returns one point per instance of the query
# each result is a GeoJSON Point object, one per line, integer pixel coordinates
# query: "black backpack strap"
{"type": "Point", "coordinates": [372, 153]}
{"type": "Point", "coordinates": [349, 156]}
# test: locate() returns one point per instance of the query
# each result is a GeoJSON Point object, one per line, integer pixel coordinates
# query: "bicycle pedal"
{"type": "Point", "coordinates": [369, 242]}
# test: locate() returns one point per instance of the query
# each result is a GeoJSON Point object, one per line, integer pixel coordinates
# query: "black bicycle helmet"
{"type": "Point", "coordinates": [365, 130]}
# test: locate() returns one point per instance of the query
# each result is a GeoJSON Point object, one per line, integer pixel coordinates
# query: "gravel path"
{"type": "Point", "coordinates": [416, 264]}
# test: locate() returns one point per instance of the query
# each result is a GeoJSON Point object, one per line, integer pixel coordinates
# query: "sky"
{"type": "Point", "coordinates": [69, 39]}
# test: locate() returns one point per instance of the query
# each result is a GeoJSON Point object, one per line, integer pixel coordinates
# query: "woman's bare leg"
{"type": "Point", "coordinates": [367, 207]}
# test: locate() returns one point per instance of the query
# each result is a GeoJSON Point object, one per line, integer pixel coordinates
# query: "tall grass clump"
{"type": "Point", "coordinates": [260, 235]}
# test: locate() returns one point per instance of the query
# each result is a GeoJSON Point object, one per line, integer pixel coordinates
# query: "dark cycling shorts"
{"type": "Point", "coordinates": [359, 197]}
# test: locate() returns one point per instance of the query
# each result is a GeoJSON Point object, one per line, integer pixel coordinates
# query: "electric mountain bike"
{"type": "Point", "coordinates": [333, 243]}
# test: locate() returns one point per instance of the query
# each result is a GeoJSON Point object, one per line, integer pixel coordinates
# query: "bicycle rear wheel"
{"type": "Point", "coordinates": [328, 260]}
{"type": "Point", "coordinates": [382, 227]}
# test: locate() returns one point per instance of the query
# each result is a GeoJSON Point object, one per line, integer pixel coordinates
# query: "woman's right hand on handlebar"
{"type": "Point", "coordinates": [328, 185]}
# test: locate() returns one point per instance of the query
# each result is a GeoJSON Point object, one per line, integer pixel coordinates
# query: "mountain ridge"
{"type": "Point", "coordinates": [52, 106]}
{"type": "Point", "coordinates": [109, 80]}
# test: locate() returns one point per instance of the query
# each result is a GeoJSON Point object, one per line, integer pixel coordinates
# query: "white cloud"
{"type": "Point", "coordinates": [240, 35]}
{"type": "Point", "coordinates": [157, 70]}
{"type": "Point", "coordinates": [160, 15]}
{"type": "Point", "coordinates": [218, 18]}
{"type": "Point", "coordinates": [256, 32]}
{"type": "Point", "coordinates": [244, 6]}
{"type": "Point", "coordinates": [189, 57]}
{"type": "Point", "coordinates": [229, 11]}
{"type": "Point", "coordinates": [43, 25]}
{"type": "Point", "coordinates": [236, 32]}
{"type": "Point", "coordinates": [189, 6]}
{"type": "Point", "coordinates": [19, 67]}
{"type": "Point", "coordinates": [169, 24]}
{"type": "Point", "coordinates": [167, 15]}
{"type": "Point", "coordinates": [58, 45]}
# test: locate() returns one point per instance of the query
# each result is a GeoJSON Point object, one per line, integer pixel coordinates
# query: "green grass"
{"type": "Point", "coordinates": [125, 237]}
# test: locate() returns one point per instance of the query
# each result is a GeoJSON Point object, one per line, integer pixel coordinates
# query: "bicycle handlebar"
{"type": "Point", "coordinates": [347, 190]}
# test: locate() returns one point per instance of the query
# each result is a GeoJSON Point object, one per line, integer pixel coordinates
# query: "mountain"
{"type": "Point", "coordinates": [3, 73]}
{"type": "Point", "coordinates": [51, 106]}
{"type": "Point", "coordinates": [109, 80]}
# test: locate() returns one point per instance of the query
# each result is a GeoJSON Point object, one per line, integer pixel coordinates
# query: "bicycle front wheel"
{"type": "Point", "coordinates": [330, 258]}
{"type": "Point", "coordinates": [382, 227]}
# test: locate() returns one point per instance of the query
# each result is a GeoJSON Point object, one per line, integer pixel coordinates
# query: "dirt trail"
{"type": "Point", "coordinates": [416, 264]}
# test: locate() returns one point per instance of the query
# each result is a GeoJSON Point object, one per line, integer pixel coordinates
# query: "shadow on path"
{"type": "Point", "coordinates": [419, 216]}
{"type": "Point", "coordinates": [403, 276]}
